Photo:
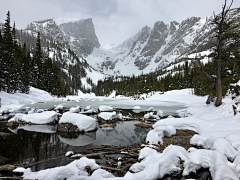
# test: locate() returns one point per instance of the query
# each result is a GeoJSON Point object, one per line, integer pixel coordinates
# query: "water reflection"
{"type": "Point", "coordinates": [81, 140]}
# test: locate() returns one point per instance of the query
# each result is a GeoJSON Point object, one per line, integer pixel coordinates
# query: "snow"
{"type": "Point", "coordinates": [217, 131]}
{"type": "Point", "coordinates": [69, 153]}
{"type": "Point", "coordinates": [72, 170]}
{"type": "Point", "coordinates": [103, 108]}
{"type": "Point", "coordinates": [19, 170]}
{"type": "Point", "coordinates": [4, 110]}
{"type": "Point", "coordinates": [107, 116]}
{"type": "Point", "coordinates": [83, 122]}
{"type": "Point", "coordinates": [75, 109]}
{"type": "Point", "coordinates": [59, 107]}
{"type": "Point", "coordinates": [36, 118]}
{"type": "Point", "coordinates": [17, 117]}
{"type": "Point", "coordinates": [18, 100]}
{"type": "Point", "coordinates": [155, 136]}
{"type": "Point", "coordinates": [136, 108]}
{"type": "Point", "coordinates": [62, 20]}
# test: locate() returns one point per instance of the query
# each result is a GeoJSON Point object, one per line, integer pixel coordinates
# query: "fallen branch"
{"type": "Point", "coordinates": [14, 178]}
{"type": "Point", "coordinates": [39, 162]}
{"type": "Point", "coordinates": [113, 169]}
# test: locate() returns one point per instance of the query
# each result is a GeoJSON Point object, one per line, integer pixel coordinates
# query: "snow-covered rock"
{"type": "Point", "coordinates": [108, 116]}
{"type": "Point", "coordinates": [155, 136]}
{"type": "Point", "coordinates": [45, 117]}
{"type": "Point", "coordinates": [137, 108]}
{"type": "Point", "coordinates": [16, 117]}
{"type": "Point", "coordinates": [151, 116]}
{"type": "Point", "coordinates": [103, 108]}
{"type": "Point", "coordinates": [76, 122]}
{"type": "Point", "coordinates": [160, 113]}
{"type": "Point", "coordinates": [75, 109]}
{"type": "Point", "coordinates": [4, 110]}
{"type": "Point", "coordinates": [59, 107]}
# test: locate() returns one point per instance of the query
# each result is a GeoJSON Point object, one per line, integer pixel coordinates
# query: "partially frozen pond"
{"type": "Point", "coordinates": [166, 106]}
{"type": "Point", "coordinates": [32, 143]}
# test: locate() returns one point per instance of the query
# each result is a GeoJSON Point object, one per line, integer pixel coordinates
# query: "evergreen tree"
{"type": "Point", "coordinates": [37, 79]}
{"type": "Point", "coordinates": [1, 66]}
{"type": "Point", "coordinates": [7, 55]}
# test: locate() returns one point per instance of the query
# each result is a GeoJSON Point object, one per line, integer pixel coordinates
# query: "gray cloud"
{"type": "Point", "coordinates": [114, 20]}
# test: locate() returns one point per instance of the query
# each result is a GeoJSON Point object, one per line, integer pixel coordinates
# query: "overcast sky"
{"type": "Point", "coordinates": [114, 20]}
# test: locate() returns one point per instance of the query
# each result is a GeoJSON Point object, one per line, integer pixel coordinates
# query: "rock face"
{"type": "Point", "coordinates": [82, 35]}
{"type": "Point", "coordinates": [153, 49]}
{"type": "Point", "coordinates": [78, 34]}
{"type": "Point", "coordinates": [48, 27]}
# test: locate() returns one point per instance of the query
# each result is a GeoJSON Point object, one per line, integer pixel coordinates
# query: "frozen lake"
{"type": "Point", "coordinates": [166, 106]}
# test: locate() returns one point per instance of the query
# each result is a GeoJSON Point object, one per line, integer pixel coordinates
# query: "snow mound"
{"type": "Point", "coordinates": [75, 109]}
{"type": "Point", "coordinates": [71, 171]}
{"type": "Point", "coordinates": [137, 108]}
{"type": "Point", "coordinates": [217, 163]}
{"type": "Point", "coordinates": [59, 107]}
{"type": "Point", "coordinates": [155, 136]}
{"type": "Point", "coordinates": [45, 117]}
{"type": "Point", "coordinates": [219, 144]}
{"type": "Point", "coordinates": [103, 108]}
{"type": "Point", "coordinates": [17, 117]}
{"type": "Point", "coordinates": [107, 116]}
{"type": "Point", "coordinates": [4, 110]}
{"type": "Point", "coordinates": [151, 116]}
{"type": "Point", "coordinates": [83, 122]}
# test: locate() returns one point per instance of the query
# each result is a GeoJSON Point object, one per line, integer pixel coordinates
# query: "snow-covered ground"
{"type": "Point", "coordinates": [218, 132]}
{"type": "Point", "coordinates": [18, 100]}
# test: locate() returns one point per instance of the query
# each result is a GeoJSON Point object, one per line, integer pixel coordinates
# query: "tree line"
{"type": "Point", "coordinates": [213, 78]}
{"type": "Point", "coordinates": [21, 68]}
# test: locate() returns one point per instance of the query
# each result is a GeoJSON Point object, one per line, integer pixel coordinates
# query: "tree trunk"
{"type": "Point", "coordinates": [219, 85]}
{"type": "Point", "coordinates": [210, 96]}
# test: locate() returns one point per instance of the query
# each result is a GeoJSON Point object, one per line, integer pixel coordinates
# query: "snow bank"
{"type": "Point", "coordinates": [17, 100]}
{"type": "Point", "coordinates": [70, 171]}
{"type": "Point", "coordinates": [83, 122]}
{"type": "Point", "coordinates": [219, 166]}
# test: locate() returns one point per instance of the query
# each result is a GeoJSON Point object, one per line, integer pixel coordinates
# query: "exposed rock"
{"type": "Point", "coordinates": [12, 124]}
{"type": "Point", "coordinates": [82, 35]}
{"type": "Point", "coordinates": [7, 168]}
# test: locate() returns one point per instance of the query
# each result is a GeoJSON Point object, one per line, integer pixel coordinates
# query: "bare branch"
{"type": "Point", "coordinates": [204, 69]}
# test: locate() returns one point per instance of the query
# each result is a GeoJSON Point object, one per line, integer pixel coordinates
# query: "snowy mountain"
{"type": "Point", "coordinates": [78, 34]}
{"type": "Point", "coordinates": [154, 48]}
{"type": "Point", "coordinates": [67, 46]}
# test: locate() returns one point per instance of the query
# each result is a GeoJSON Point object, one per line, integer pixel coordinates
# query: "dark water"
{"type": "Point", "coordinates": [32, 143]}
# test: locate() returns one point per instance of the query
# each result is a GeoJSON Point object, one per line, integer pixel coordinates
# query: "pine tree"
{"type": "Point", "coordinates": [7, 55]}
{"type": "Point", "coordinates": [1, 66]}
{"type": "Point", "coordinates": [37, 79]}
